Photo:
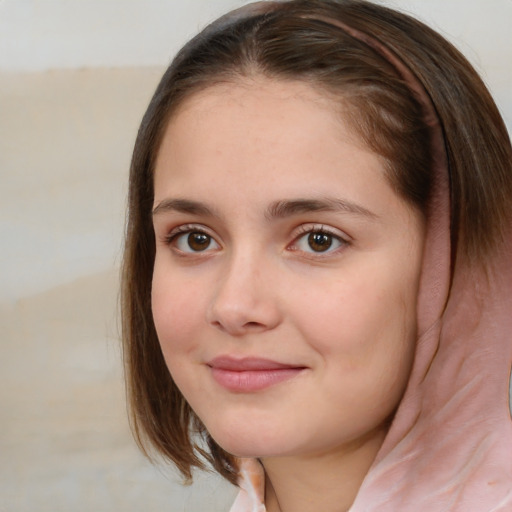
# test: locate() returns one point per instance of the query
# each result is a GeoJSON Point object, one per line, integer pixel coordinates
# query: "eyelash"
{"type": "Point", "coordinates": [187, 229]}
{"type": "Point", "coordinates": [307, 229]}
{"type": "Point", "coordinates": [315, 229]}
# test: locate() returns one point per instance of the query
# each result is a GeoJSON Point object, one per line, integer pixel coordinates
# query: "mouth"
{"type": "Point", "coordinates": [251, 374]}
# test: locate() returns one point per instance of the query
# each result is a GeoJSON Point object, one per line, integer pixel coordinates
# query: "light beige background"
{"type": "Point", "coordinates": [75, 78]}
{"type": "Point", "coordinates": [65, 142]}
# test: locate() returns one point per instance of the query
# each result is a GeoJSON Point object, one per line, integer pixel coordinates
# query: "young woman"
{"type": "Point", "coordinates": [316, 287]}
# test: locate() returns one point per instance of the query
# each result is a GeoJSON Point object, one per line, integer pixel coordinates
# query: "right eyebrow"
{"type": "Point", "coordinates": [281, 209]}
{"type": "Point", "coordinates": [182, 206]}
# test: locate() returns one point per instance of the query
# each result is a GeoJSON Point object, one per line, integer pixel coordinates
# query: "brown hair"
{"type": "Point", "coordinates": [293, 40]}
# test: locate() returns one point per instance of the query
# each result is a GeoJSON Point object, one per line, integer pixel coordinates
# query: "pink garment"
{"type": "Point", "coordinates": [450, 445]}
{"type": "Point", "coordinates": [449, 448]}
{"type": "Point", "coordinates": [252, 487]}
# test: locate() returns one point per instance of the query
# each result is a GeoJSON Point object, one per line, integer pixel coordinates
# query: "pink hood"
{"type": "Point", "coordinates": [449, 447]}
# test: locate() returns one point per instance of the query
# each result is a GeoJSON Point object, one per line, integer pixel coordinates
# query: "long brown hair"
{"type": "Point", "coordinates": [293, 40]}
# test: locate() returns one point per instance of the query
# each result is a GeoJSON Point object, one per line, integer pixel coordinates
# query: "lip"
{"type": "Point", "coordinates": [251, 374]}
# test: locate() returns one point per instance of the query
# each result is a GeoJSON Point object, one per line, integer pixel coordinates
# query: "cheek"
{"type": "Point", "coordinates": [176, 307]}
{"type": "Point", "coordinates": [363, 327]}
{"type": "Point", "coordinates": [357, 311]}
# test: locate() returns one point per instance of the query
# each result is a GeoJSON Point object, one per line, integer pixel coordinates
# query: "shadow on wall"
{"type": "Point", "coordinates": [65, 144]}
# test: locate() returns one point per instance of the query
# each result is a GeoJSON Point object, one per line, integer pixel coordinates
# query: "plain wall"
{"type": "Point", "coordinates": [75, 78]}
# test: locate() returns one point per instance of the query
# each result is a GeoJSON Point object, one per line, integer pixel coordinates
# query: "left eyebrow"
{"type": "Point", "coordinates": [182, 206]}
{"type": "Point", "coordinates": [287, 208]}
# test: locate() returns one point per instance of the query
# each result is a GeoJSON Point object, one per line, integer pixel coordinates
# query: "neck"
{"type": "Point", "coordinates": [322, 481]}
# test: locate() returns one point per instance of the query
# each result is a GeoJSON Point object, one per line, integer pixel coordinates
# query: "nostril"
{"type": "Point", "coordinates": [241, 313]}
{"type": "Point", "coordinates": [253, 325]}
{"type": "Point", "coordinates": [217, 325]}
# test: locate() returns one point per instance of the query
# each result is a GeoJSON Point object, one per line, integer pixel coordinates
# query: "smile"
{"type": "Point", "coordinates": [251, 374]}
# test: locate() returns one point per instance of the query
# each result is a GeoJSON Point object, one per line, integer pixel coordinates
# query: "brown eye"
{"type": "Point", "coordinates": [198, 241]}
{"type": "Point", "coordinates": [193, 242]}
{"type": "Point", "coordinates": [319, 241]}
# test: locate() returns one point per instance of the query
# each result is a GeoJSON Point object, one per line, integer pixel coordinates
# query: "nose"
{"type": "Point", "coordinates": [245, 298]}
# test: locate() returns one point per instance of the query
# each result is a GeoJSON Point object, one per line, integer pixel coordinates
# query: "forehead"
{"type": "Point", "coordinates": [249, 144]}
{"type": "Point", "coordinates": [259, 116]}
{"type": "Point", "coordinates": [260, 87]}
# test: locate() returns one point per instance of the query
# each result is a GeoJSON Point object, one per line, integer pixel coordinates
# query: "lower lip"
{"type": "Point", "coordinates": [253, 380]}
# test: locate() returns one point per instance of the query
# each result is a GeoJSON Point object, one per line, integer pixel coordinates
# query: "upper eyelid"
{"type": "Point", "coordinates": [187, 228]}
{"type": "Point", "coordinates": [171, 239]}
{"type": "Point", "coordinates": [306, 228]}
{"type": "Point", "coordinates": [169, 236]}
{"type": "Point", "coordinates": [297, 232]}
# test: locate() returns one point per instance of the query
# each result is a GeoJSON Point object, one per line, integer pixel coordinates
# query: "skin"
{"type": "Point", "coordinates": [237, 163]}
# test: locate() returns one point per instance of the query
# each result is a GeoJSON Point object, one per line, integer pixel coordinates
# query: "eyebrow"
{"type": "Point", "coordinates": [281, 209]}
{"type": "Point", "coordinates": [277, 210]}
{"type": "Point", "coordinates": [182, 206]}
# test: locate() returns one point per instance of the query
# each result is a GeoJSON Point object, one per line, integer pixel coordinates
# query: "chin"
{"type": "Point", "coordinates": [241, 445]}
{"type": "Point", "coordinates": [256, 441]}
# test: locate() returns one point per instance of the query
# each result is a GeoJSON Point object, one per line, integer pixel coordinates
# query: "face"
{"type": "Point", "coordinates": [286, 271]}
